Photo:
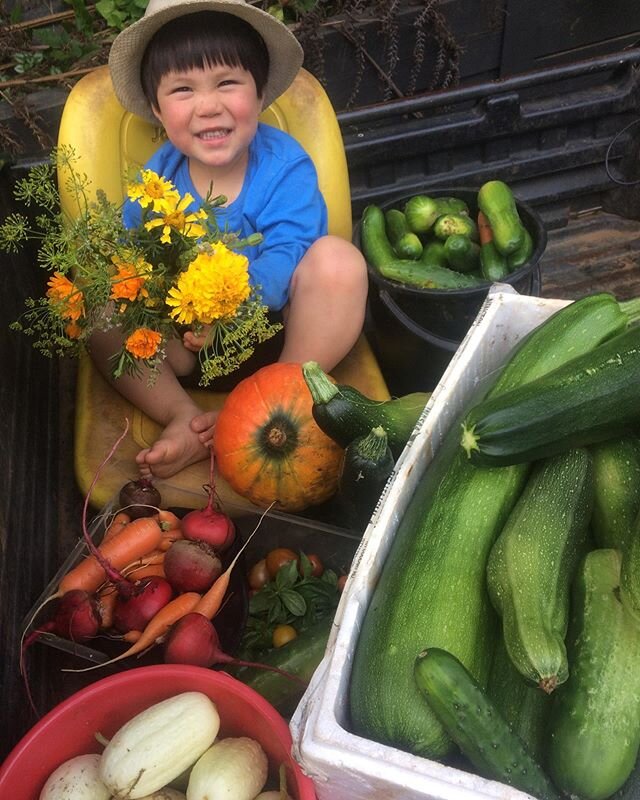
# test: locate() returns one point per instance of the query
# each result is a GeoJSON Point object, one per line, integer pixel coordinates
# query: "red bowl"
{"type": "Point", "coordinates": [103, 707]}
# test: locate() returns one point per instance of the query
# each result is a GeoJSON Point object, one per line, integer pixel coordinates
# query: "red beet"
{"type": "Point", "coordinates": [209, 524]}
{"type": "Point", "coordinates": [139, 498]}
{"type": "Point", "coordinates": [134, 612]}
{"type": "Point", "coordinates": [191, 566]}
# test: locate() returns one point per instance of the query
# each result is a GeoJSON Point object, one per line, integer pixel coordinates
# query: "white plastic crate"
{"type": "Point", "coordinates": [345, 766]}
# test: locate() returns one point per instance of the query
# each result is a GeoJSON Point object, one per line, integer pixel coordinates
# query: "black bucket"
{"type": "Point", "coordinates": [415, 332]}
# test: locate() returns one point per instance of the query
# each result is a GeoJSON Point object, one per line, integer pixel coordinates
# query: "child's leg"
{"type": "Point", "coordinates": [325, 314]}
{"type": "Point", "coordinates": [165, 401]}
{"type": "Point", "coordinates": [327, 302]}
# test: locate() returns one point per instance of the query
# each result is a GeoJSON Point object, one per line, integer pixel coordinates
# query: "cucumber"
{"type": "Point", "coordinates": [497, 203]}
{"type": "Point", "coordinates": [379, 253]}
{"type": "Point", "coordinates": [432, 588]}
{"type": "Point", "coordinates": [405, 243]}
{"type": "Point", "coordinates": [462, 254]}
{"type": "Point", "coordinates": [422, 211]}
{"type": "Point", "coordinates": [630, 577]}
{"type": "Point", "coordinates": [493, 264]}
{"type": "Point", "coordinates": [434, 255]}
{"type": "Point", "coordinates": [476, 725]}
{"type": "Point", "coordinates": [532, 563]}
{"type": "Point", "coordinates": [592, 398]}
{"type": "Point", "coordinates": [344, 413]}
{"type": "Point", "coordinates": [616, 469]}
{"type": "Point", "coordinates": [368, 462]}
{"type": "Point", "coordinates": [595, 719]}
{"type": "Point", "coordinates": [450, 224]}
{"type": "Point", "coordinates": [524, 706]}
{"type": "Point", "coordinates": [299, 657]}
{"type": "Point", "coordinates": [520, 257]}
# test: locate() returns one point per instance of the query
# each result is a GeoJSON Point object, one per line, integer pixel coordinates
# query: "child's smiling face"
{"type": "Point", "coordinates": [210, 115]}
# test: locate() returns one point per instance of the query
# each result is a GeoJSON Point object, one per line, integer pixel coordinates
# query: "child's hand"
{"type": "Point", "coordinates": [195, 342]}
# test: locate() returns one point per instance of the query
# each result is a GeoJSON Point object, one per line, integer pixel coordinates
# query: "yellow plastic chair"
{"type": "Point", "coordinates": [110, 143]}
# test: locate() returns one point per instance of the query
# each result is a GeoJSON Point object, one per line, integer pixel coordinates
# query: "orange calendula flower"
{"type": "Point", "coordinates": [73, 330]}
{"type": "Point", "coordinates": [143, 343]}
{"type": "Point", "coordinates": [212, 287]}
{"type": "Point", "coordinates": [174, 219]}
{"type": "Point", "coordinates": [65, 296]}
{"type": "Point", "coordinates": [153, 191]}
{"type": "Point", "coordinates": [128, 282]}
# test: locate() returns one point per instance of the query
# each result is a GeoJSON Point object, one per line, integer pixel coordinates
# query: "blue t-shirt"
{"type": "Point", "coordinates": [280, 199]}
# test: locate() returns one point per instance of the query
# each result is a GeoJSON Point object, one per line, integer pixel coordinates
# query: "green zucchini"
{"type": "Point", "coordinates": [422, 211]}
{"type": "Point", "coordinates": [367, 464]}
{"type": "Point", "coordinates": [497, 203]}
{"type": "Point", "coordinates": [450, 224]}
{"type": "Point", "coordinates": [379, 253]}
{"type": "Point", "coordinates": [344, 413]}
{"type": "Point", "coordinates": [405, 243]}
{"type": "Point", "coordinates": [524, 706]}
{"type": "Point", "coordinates": [616, 470]}
{"type": "Point", "coordinates": [432, 588]}
{"type": "Point", "coordinates": [476, 725]}
{"type": "Point", "coordinates": [520, 257]}
{"type": "Point", "coordinates": [299, 657]}
{"type": "Point", "coordinates": [592, 398]}
{"type": "Point", "coordinates": [493, 264]}
{"type": "Point", "coordinates": [595, 719]}
{"type": "Point", "coordinates": [462, 253]}
{"type": "Point", "coordinates": [532, 563]}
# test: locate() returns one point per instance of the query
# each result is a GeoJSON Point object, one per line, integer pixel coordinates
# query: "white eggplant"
{"type": "Point", "coordinates": [76, 779]}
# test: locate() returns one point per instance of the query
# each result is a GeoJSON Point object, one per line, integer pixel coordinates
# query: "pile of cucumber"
{"type": "Point", "coordinates": [436, 243]}
{"type": "Point", "coordinates": [506, 620]}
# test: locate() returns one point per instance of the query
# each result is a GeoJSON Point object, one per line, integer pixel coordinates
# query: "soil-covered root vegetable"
{"type": "Point", "coordinates": [232, 767]}
{"type": "Point", "coordinates": [140, 498]}
{"type": "Point", "coordinates": [158, 745]}
{"type": "Point", "coordinates": [135, 612]}
{"type": "Point", "coordinates": [191, 566]}
{"type": "Point", "coordinates": [210, 524]}
{"type": "Point", "coordinates": [77, 778]}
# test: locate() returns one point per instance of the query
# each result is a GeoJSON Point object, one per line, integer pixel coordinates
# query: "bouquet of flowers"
{"type": "Point", "coordinates": [177, 268]}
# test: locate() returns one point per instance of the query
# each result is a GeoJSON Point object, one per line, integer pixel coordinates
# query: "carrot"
{"type": "Point", "coordinates": [115, 526]}
{"type": "Point", "coordinates": [211, 600]}
{"type": "Point", "coordinates": [485, 233]}
{"type": "Point", "coordinates": [146, 571]}
{"type": "Point", "coordinates": [157, 628]}
{"type": "Point", "coordinates": [146, 560]}
{"type": "Point", "coordinates": [169, 537]}
{"type": "Point", "coordinates": [168, 520]}
{"type": "Point", "coordinates": [134, 540]}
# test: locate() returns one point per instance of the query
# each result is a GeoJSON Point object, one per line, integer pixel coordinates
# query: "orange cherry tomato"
{"type": "Point", "coordinates": [258, 575]}
{"type": "Point", "coordinates": [283, 634]}
{"type": "Point", "coordinates": [277, 558]}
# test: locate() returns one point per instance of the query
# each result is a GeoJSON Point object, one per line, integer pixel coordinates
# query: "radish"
{"type": "Point", "coordinates": [191, 566]}
{"type": "Point", "coordinates": [209, 524]}
{"type": "Point", "coordinates": [194, 640]}
{"type": "Point", "coordinates": [140, 498]}
{"type": "Point", "coordinates": [132, 613]}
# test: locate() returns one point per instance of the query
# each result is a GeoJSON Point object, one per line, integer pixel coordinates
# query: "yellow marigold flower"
{"type": "Point", "coordinates": [65, 296]}
{"type": "Point", "coordinates": [174, 218]}
{"type": "Point", "coordinates": [212, 287]}
{"type": "Point", "coordinates": [143, 343]}
{"type": "Point", "coordinates": [128, 282]}
{"type": "Point", "coordinates": [153, 191]}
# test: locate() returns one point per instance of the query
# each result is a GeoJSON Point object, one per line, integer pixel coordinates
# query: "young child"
{"type": "Point", "coordinates": [205, 70]}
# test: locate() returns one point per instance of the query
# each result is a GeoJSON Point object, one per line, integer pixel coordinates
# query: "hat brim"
{"type": "Point", "coordinates": [125, 57]}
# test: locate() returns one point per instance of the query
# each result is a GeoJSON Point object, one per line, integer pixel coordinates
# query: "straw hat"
{"type": "Point", "coordinates": [285, 53]}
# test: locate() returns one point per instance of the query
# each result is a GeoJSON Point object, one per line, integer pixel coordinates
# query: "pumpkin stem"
{"type": "Point", "coordinates": [276, 437]}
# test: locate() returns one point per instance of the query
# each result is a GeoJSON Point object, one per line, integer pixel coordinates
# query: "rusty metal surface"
{"type": "Point", "coordinates": [595, 252]}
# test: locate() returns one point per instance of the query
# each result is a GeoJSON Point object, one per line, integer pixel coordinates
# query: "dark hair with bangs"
{"type": "Point", "coordinates": [201, 39]}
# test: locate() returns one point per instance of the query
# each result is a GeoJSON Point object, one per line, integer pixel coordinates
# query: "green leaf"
{"type": "Point", "coordinates": [294, 602]}
{"type": "Point", "coordinates": [287, 575]}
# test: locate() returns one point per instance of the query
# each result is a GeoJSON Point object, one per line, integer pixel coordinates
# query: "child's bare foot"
{"type": "Point", "coordinates": [177, 447]}
{"type": "Point", "coordinates": [204, 425]}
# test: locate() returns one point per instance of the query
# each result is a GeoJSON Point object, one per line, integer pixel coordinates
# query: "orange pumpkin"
{"type": "Point", "coordinates": [269, 448]}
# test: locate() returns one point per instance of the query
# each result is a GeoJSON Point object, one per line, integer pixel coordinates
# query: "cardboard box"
{"type": "Point", "coordinates": [345, 766]}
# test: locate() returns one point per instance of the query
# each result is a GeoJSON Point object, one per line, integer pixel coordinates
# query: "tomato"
{"type": "Point", "coordinates": [277, 558]}
{"type": "Point", "coordinates": [341, 582]}
{"type": "Point", "coordinates": [283, 634]}
{"type": "Point", "coordinates": [317, 567]}
{"type": "Point", "coordinates": [258, 574]}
